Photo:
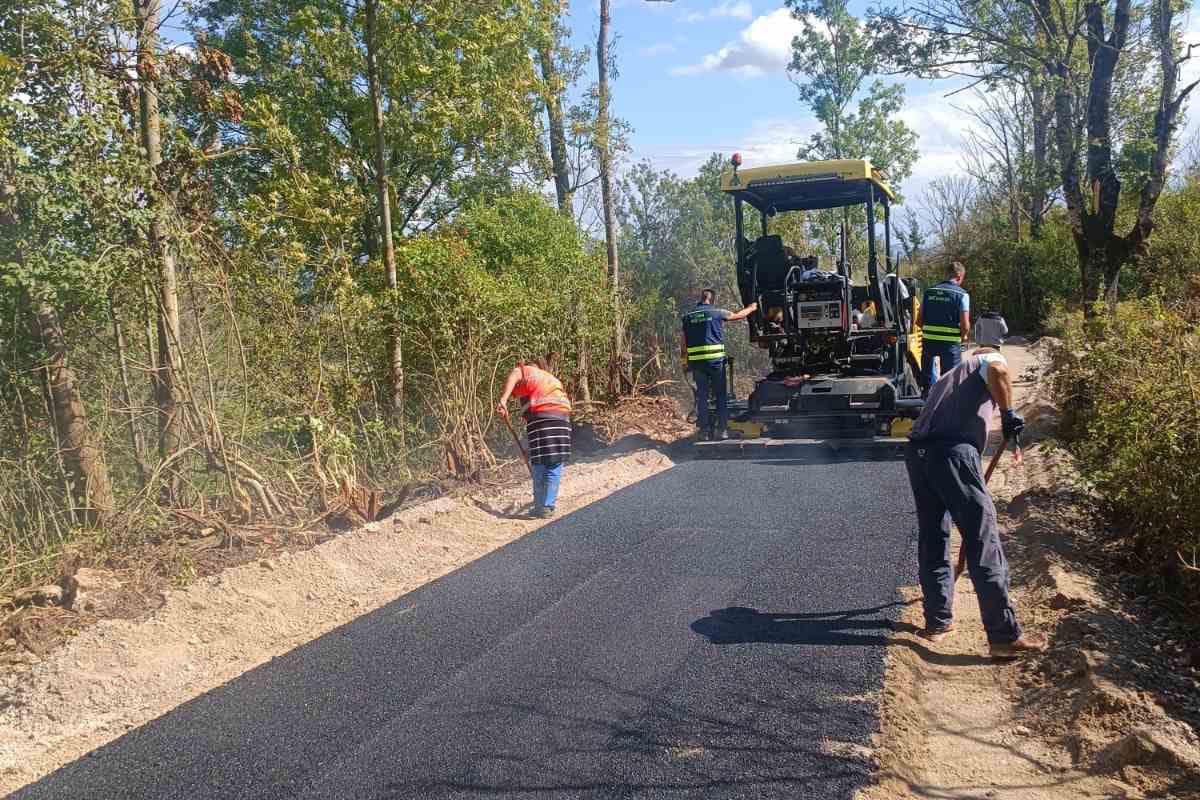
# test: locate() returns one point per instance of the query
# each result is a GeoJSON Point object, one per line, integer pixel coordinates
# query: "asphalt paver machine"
{"type": "Point", "coordinates": [842, 341]}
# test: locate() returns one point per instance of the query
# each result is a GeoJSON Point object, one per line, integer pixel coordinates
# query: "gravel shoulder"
{"type": "Point", "coordinates": [1107, 712]}
{"type": "Point", "coordinates": [120, 673]}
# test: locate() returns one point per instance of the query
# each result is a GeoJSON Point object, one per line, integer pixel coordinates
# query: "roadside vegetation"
{"type": "Point", "coordinates": [278, 272]}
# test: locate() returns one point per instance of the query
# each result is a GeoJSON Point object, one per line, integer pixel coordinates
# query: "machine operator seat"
{"type": "Point", "coordinates": [770, 263]}
{"type": "Point", "coordinates": [897, 294]}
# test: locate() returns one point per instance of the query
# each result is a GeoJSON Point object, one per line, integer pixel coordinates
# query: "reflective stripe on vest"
{"type": "Point", "coordinates": [545, 391]}
{"type": "Point", "coordinates": [706, 352]}
{"type": "Point", "coordinates": [941, 333]}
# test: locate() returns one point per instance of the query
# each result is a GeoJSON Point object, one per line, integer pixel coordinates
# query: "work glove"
{"type": "Point", "coordinates": [1011, 423]}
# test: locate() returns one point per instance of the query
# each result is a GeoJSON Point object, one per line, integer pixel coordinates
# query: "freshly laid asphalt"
{"type": "Point", "coordinates": [718, 630]}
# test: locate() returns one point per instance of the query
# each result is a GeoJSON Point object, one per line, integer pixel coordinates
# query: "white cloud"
{"type": "Point", "coordinates": [767, 141]}
{"type": "Point", "coordinates": [658, 49]}
{"type": "Point", "coordinates": [733, 9]}
{"type": "Point", "coordinates": [763, 46]}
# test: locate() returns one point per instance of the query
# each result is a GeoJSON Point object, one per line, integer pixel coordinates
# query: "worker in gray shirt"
{"type": "Point", "coordinates": [943, 462]}
{"type": "Point", "coordinates": [990, 329]}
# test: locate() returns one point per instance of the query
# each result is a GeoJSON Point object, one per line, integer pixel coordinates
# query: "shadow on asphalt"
{"type": "Point", "coordinates": [738, 625]}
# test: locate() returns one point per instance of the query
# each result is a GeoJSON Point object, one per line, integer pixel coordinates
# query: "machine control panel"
{"type": "Point", "coordinates": [822, 315]}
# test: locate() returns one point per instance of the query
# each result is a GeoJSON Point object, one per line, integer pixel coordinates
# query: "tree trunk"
{"type": "Point", "coordinates": [583, 362]}
{"type": "Point", "coordinates": [604, 156]}
{"type": "Point", "coordinates": [135, 433]}
{"type": "Point", "coordinates": [165, 377]}
{"type": "Point", "coordinates": [1091, 273]}
{"type": "Point", "coordinates": [82, 458]}
{"type": "Point", "coordinates": [384, 199]}
{"type": "Point", "coordinates": [1039, 188]}
{"type": "Point", "coordinates": [558, 136]}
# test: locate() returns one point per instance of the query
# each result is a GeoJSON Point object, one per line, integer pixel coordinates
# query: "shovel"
{"type": "Point", "coordinates": [961, 566]}
{"type": "Point", "coordinates": [521, 447]}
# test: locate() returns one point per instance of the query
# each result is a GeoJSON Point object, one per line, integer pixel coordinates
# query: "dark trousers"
{"type": "Point", "coordinates": [947, 484]}
{"type": "Point", "coordinates": [949, 354]}
{"type": "Point", "coordinates": [710, 375]}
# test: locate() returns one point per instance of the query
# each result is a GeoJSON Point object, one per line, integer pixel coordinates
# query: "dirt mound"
{"type": "Point", "coordinates": [646, 420]}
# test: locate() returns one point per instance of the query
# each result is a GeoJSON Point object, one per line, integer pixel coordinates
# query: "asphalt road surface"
{"type": "Point", "coordinates": [715, 631]}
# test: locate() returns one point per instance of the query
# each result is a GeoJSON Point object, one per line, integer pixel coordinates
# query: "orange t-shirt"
{"type": "Point", "coordinates": [545, 392]}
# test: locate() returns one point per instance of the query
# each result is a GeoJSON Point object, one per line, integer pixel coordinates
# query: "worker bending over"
{"type": "Point", "coordinates": [703, 350]}
{"type": "Point", "coordinates": [943, 461]}
{"type": "Point", "coordinates": [547, 426]}
{"type": "Point", "coordinates": [945, 322]}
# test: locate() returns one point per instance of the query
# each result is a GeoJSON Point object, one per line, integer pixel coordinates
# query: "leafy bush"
{"type": "Point", "coordinates": [1129, 387]}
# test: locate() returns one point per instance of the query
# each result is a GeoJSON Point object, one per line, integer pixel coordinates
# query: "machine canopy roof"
{"type": "Point", "coordinates": [807, 185]}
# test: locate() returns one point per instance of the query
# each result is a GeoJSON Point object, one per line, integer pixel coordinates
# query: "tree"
{"type": "Point", "coordinates": [832, 59]}
{"type": "Point", "coordinates": [619, 368]}
{"type": "Point", "coordinates": [677, 237]}
{"type": "Point", "coordinates": [166, 374]}
{"type": "Point", "coordinates": [67, 173]}
{"type": "Point", "coordinates": [910, 237]}
{"type": "Point", "coordinates": [383, 197]}
{"type": "Point", "coordinates": [559, 66]}
{"type": "Point", "coordinates": [413, 106]}
{"type": "Point", "coordinates": [948, 203]}
{"type": "Point", "coordinates": [1111, 73]}
{"type": "Point", "coordinates": [1007, 152]}
{"type": "Point", "coordinates": [460, 69]}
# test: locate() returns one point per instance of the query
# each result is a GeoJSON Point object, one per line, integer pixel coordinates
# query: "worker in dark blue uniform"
{"type": "Point", "coordinates": [703, 350]}
{"type": "Point", "coordinates": [945, 322]}
{"type": "Point", "coordinates": [943, 461]}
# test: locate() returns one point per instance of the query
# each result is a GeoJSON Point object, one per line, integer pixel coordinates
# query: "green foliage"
{"type": "Point", "coordinates": [266, 198]}
{"type": "Point", "coordinates": [677, 238]}
{"type": "Point", "coordinates": [1173, 259]}
{"type": "Point", "coordinates": [66, 203]}
{"type": "Point", "coordinates": [1129, 388]}
{"type": "Point", "coordinates": [456, 77]}
{"type": "Point", "coordinates": [832, 59]}
{"type": "Point", "coordinates": [1022, 280]}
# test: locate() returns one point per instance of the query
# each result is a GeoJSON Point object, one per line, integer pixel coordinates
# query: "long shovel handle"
{"type": "Point", "coordinates": [991, 467]}
{"type": "Point", "coordinates": [521, 447]}
{"type": "Point", "coordinates": [961, 566]}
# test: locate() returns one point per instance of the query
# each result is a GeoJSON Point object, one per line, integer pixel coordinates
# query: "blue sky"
{"type": "Point", "coordinates": [704, 75]}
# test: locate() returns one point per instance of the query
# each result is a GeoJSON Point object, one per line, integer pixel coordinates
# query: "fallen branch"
{"type": "Point", "coordinates": [1190, 567]}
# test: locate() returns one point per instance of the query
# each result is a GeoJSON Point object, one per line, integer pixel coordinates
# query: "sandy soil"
{"type": "Point", "coordinates": [1068, 724]}
{"type": "Point", "coordinates": [120, 673]}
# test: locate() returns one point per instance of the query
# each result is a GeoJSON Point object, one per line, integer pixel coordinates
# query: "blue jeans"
{"type": "Point", "coordinates": [947, 484]}
{"type": "Point", "coordinates": [948, 354]}
{"type": "Point", "coordinates": [545, 484]}
{"type": "Point", "coordinates": [711, 374]}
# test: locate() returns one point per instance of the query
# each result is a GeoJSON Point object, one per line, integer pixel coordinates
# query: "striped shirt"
{"type": "Point", "coordinates": [549, 437]}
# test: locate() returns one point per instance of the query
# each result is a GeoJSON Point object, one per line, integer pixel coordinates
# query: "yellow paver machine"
{"type": "Point", "coordinates": [844, 349]}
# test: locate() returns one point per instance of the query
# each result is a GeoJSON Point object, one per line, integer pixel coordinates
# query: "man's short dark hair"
{"type": "Point", "coordinates": [955, 270]}
{"type": "Point", "coordinates": [708, 295]}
